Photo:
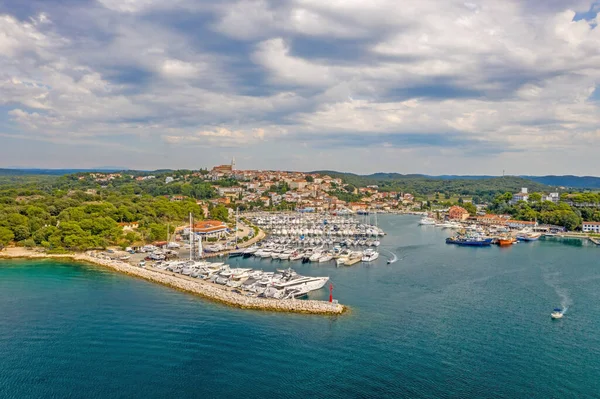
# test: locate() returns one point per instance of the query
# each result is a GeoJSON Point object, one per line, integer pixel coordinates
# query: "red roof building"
{"type": "Point", "coordinates": [458, 213]}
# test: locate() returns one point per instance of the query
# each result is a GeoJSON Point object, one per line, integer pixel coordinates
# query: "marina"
{"type": "Point", "coordinates": [279, 293]}
{"type": "Point", "coordinates": [343, 240]}
{"type": "Point", "coordinates": [413, 326]}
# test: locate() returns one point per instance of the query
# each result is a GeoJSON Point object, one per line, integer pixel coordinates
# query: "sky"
{"type": "Point", "coordinates": [428, 86]}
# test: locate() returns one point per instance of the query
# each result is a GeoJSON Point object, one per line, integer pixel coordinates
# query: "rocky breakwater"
{"type": "Point", "coordinates": [217, 292]}
{"type": "Point", "coordinates": [199, 287]}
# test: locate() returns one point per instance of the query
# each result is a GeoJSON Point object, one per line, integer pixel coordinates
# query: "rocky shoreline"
{"type": "Point", "coordinates": [199, 287]}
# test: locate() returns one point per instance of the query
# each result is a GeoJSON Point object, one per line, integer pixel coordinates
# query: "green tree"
{"type": "Point", "coordinates": [6, 236]}
{"type": "Point", "coordinates": [469, 207]}
{"type": "Point", "coordinates": [310, 179]}
{"type": "Point", "coordinates": [535, 197]}
{"type": "Point", "coordinates": [21, 232]}
{"type": "Point", "coordinates": [219, 212]}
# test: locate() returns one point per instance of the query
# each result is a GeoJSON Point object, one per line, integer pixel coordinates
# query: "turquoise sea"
{"type": "Point", "coordinates": [442, 322]}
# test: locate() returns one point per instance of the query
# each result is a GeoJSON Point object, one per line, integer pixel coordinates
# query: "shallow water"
{"type": "Point", "coordinates": [442, 322]}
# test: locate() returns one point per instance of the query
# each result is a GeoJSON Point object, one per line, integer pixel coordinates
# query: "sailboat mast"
{"type": "Point", "coordinates": [236, 225]}
{"type": "Point", "coordinates": [191, 237]}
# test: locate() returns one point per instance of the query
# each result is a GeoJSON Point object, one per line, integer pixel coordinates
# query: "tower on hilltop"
{"type": "Point", "coordinates": [233, 163]}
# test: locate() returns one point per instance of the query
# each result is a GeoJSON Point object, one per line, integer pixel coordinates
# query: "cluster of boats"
{"type": "Point", "coordinates": [281, 284]}
{"type": "Point", "coordinates": [342, 256]}
{"type": "Point", "coordinates": [304, 226]}
{"type": "Point", "coordinates": [477, 239]}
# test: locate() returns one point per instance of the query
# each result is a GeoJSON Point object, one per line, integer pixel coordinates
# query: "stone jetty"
{"type": "Point", "coordinates": [199, 287]}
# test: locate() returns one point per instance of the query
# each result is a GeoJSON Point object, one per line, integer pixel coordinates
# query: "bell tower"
{"type": "Point", "coordinates": [233, 163]}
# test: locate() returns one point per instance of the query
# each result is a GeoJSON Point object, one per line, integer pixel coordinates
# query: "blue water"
{"type": "Point", "coordinates": [442, 322]}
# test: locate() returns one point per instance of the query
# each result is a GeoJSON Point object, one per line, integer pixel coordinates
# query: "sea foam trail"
{"type": "Point", "coordinates": [551, 280]}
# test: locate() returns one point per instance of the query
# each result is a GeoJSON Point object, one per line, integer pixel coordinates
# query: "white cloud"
{"type": "Point", "coordinates": [513, 73]}
{"type": "Point", "coordinates": [224, 137]}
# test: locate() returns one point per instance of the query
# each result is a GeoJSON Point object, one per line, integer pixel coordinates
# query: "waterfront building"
{"type": "Point", "coordinates": [458, 213]}
{"type": "Point", "coordinates": [491, 219]}
{"type": "Point", "coordinates": [520, 224]}
{"type": "Point", "coordinates": [210, 228]}
{"type": "Point", "coordinates": [591, 227]}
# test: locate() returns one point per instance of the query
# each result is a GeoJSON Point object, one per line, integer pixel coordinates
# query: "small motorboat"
{"type": "Point", "coordinates": [557, 314]}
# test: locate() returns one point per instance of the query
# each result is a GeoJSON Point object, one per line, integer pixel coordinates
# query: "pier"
{"type": "Point", "coordinates": [199, 287]}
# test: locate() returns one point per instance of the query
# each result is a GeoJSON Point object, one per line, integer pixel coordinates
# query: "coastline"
{"type": "Point", "coordinates": [201, 288]}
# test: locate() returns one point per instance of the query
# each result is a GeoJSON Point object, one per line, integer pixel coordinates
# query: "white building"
{"type": "Point", "coordinates": [553, 197]}
{"type": "Point", "coordinates": [591, 227]}
{"type": "Point", "coordinates": [521, 196]}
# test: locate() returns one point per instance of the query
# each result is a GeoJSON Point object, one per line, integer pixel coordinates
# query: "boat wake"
{"type": "Point", "coordinates": [551, 280]}
{"type": "Point", "coordinates": [393, 258]}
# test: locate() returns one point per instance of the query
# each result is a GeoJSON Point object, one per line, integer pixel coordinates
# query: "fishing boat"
{"type": "Point", "coordinates": [557, 314]}
{"type": "Point", "coordinates": [529, 236]}
{"type": "Point", "coordinates": [505, 241]}
{"type": "Point", "coordinates": [469, 241]}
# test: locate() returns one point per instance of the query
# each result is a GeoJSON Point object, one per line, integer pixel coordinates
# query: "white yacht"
{"type": "Point", "coordinates": [264, 253]}
{"type": "Point", "coordinates": [557, 314]}
{"type": "Point", "coordinates": [426, 221]}
{"type": "Point", "coordinates": [309, 283]}
{"type": "Point", "coordinates": [326, 257]}
{"type": "Point", "coordinates": [370, 255]}
{"type": "Point", "coordinates": [296, 255]}
{"type": "Point", "coordinates": [315, 256]}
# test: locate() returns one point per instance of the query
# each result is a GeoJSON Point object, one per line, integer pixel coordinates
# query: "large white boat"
{"type": "Point", "coordinates": [426, 221]}
{"type": "Point", "coordinates": [309, 283]}
{"type": "Point", "coordinates": [315, 256]}
{"type": "Point", "coordinates": [326, 257]}
{"type": "Point", "coordinates": [370, 255]}
{"type": "Point", "coordinates": [264, 253]}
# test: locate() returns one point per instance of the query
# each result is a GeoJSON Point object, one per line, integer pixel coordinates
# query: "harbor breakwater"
{"type": "Point", "coordinates": [199, 287]}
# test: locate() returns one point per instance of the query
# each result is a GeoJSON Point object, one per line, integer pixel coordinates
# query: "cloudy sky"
{"type": "Point", "coordinates": [428, 86]}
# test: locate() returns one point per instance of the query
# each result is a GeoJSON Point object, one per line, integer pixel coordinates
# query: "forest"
{"type": "Point", "coordinates": [547, 212]}
{"type": "Point", "coordinates": [484, 189]}
{"type": "Point", "coordinates": [65, 213]}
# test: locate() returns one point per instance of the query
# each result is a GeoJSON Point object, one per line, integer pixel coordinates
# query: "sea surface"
{"type": "Point", "coordinates": [442, 322]}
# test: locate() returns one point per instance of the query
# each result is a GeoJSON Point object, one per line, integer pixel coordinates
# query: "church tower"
{"type": "Point", "coordinates": [233, 163]}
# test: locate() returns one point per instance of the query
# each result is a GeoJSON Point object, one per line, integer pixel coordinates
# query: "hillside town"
{"type": "Point", "coordinates": [259, 189]}
{"type": "Point", "coordinates": [255, 190]}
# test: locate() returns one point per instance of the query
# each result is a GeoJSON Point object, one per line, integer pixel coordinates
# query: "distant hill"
{"type": "Point", "coordinates": [53, 172]}
{"type": "Point", "coordinates": [485, 187]}
{"type": "Point", "coordinates": [590, 182]}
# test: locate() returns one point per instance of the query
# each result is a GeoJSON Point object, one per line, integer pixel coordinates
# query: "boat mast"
{"type": "Point", "coordinates": [191, 238]}
{"type": "Point", "coordinates": [200, 249]}
{"type": "Point", "coordinates": [236, 225]}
